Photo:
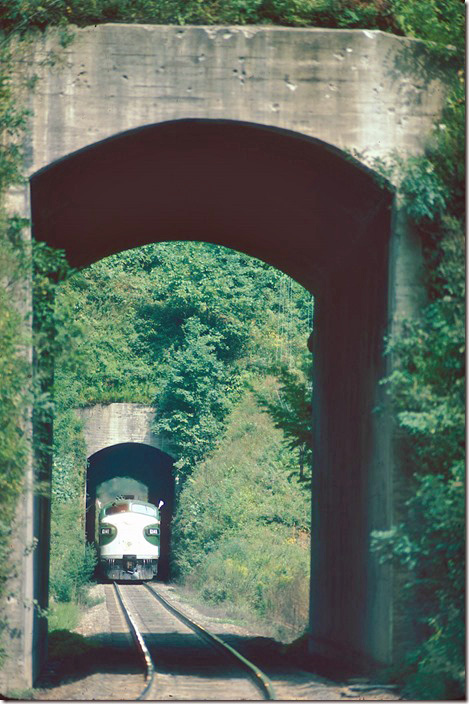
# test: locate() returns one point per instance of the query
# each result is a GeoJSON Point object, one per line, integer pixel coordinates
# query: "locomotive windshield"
{"type": "Point", "coordinates": [118, 508]}
{"type": "Point", "coordinates": [147, 510]}
{"type": "Point", "coordinates": [144, 509]}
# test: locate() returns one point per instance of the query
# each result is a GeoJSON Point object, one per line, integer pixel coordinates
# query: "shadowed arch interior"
{"type": "Point", "coordinates": [290, 200]}
{"type": "Point", "coordinates": [321, 217]}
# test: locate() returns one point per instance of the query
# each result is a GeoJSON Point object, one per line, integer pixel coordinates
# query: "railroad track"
{"type": "Point", "coordinates": [183, 661]}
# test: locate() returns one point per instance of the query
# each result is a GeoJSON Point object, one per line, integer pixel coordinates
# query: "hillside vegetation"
{"type": "Point", "coordinates": [212, 339]}
{"type": "Point", "coordinates": [243, 522]}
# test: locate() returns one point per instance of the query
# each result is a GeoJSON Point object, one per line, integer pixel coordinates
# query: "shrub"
{"type": "Point", "coordinates": [72, 561]}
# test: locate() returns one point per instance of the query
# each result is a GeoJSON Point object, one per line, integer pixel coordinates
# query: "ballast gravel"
{"type": "Point", "coordinates": [119, 678]}
{"type": "Point", "coordinates": [112, 673]}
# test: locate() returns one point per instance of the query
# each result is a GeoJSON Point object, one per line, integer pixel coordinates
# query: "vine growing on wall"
{"type": "Point", "coordinates": [427, 385]}
{"type": "Point", "coordinates": [14, 362]}
{"type": "Point", "coordinates": [20, 390]}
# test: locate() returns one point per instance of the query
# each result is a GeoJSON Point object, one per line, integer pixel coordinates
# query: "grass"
{"type": "Point", "coordinates": [64, 616]}
{"type": "Point", "coordinates": [64, 644]}
{"type": "Point", "coordinates": [224, 613]}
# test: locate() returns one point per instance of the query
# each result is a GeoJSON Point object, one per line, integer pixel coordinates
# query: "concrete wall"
{"type": "Point", "coordinates": [116, 423]}
{"type": "Point", "coordinates": [356, 90]}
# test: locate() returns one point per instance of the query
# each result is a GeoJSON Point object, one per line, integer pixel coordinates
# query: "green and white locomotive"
{"type": "Point", "coordinates": [129, 539]}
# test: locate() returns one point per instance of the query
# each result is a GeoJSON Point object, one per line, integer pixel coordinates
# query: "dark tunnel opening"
{"type": "Point", "coordinates": [137, 469]}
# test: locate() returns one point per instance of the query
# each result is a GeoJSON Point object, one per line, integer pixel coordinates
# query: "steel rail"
{"type": "Point", "coordinates": [140, 644]}
{"type": "Point", "coordinates": [260, 679]}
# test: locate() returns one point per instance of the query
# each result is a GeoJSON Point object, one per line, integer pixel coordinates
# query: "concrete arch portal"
{"type": "Point", "coordinates": [214, 134]}
{"type": "Point", "coordinates": [135, 468]}
{"type": "Point", "coordinates": [307, 209]}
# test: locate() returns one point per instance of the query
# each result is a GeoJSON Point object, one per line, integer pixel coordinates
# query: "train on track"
{"type": "Point", "coordinates": [129, 539]}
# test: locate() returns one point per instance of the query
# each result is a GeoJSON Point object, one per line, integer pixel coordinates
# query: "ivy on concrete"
{"type": "Point", "coordinates": [427, 385]}
{"type": "Point", "coordinates": [14, 339]}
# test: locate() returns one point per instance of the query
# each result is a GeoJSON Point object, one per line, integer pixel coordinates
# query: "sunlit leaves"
{"type": "Point", "coordinates": [242, 526]}
{"type": "Point", "coordinates": [439, 22]}
{"type": "Point", "coordinates": [427, 385]}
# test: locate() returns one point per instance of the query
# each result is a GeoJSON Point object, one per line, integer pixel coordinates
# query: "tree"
{"type": "Point", "coordinates": [289, 406]}
{"type": "Point", "coordinates": [196, 397]}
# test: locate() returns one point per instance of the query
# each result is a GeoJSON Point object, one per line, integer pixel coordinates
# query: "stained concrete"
{"type": "Point", "coordinates": [253, 158]}
{"type": "Point", "coordinates": [116, 423]}
{"type": "Point", "coordinates": [355, 89]}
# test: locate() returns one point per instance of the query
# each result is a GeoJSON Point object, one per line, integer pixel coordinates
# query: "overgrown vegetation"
{"type": "Point", "coordinates": [72, 562]}
{"type": "Point", "coordinates": [14, 364]}
{"type": "Point", "coordinates": [241, 499]}
{"type": "Point", "coordinates": [427, 385]}
{"type": "Point", "coordinates": [379, 14]}
{"type": "Point", "coordinates": [182, 326]}
{"type": "Point", "coordinates": [203, 325]}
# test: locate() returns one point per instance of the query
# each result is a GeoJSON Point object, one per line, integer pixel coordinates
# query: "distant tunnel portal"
{"type": "Point", "coordinates": [132, 469]}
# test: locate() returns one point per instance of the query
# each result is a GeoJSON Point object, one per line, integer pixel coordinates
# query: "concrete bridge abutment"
{"type": "Point", "coordinates": [241, 137]}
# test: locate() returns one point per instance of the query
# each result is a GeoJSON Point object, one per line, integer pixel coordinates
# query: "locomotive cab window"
{"type": "Point", "coordinates": [146, 510]}
{"type": "Point", "coordinates": [118, 508]}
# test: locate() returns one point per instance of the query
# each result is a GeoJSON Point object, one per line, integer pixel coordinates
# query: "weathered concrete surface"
{"type": "Point", "coordinates": [117, 423]}
{"type": "Point", "coordinates": [25, 631]}
{"type": "Point", "coordinates": [294, 203]}
{"type": "Point", "coordinates": [356, 89]}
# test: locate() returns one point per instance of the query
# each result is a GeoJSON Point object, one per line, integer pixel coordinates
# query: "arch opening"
{"type": "Point", "coordinates": [137, 469]}
{"type": "Point", "coordinates": [312, 212]}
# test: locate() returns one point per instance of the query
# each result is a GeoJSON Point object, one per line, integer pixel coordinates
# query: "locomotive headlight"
{"type": "Point", "coordinates": [152, 533]}
{"type": "Point", "coordinates": [107, 533]}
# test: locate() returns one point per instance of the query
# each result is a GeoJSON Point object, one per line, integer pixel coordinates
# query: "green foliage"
{"type": "Point", "coordinates": [186, 322]}
{"type": "Point", "coordinates": [180, 325]}
{"type": "Point", "coordinates": [271, 584]}
{"type": "Point", "coordinates": [72, 562]}
{"type": "Point", "coordinates": [428, 390]}
{"type": "Point", "coordinates": [441, 23]}
{"type": "Point", "coordinates": [125, 316]}
{"type": "Point", "coordinates": [95, 313]}
{"type": "Point", "coordinates": [12, 125]}
{"type": "Point", "coordinates": [20, 15]}
{"type": "Point", "coordinates": [14, 385]}
{"type": "Point", "coordinates": [427, 386]}
{"type": "Point", "coordinates": [15, 392]}
{"type": "Point", "coordinates": [176, 307]}
{"type": "Point", "coordinates": [63, 615]}
{"type": "Point", "coordinates": [236, 503]}
{"type": "Point", "coordinates": [426, 193]}
{"type": "Point", "coordinates": [290, 409]}
{"type": "Point", "coordinates": [194, 402]}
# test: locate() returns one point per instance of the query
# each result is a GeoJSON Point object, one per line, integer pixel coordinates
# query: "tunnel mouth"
{"type": "Point", "coordinates": [134, 470]}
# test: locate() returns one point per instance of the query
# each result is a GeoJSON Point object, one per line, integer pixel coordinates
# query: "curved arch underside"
{"type": "Point", "coordinates": [287, 199]}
